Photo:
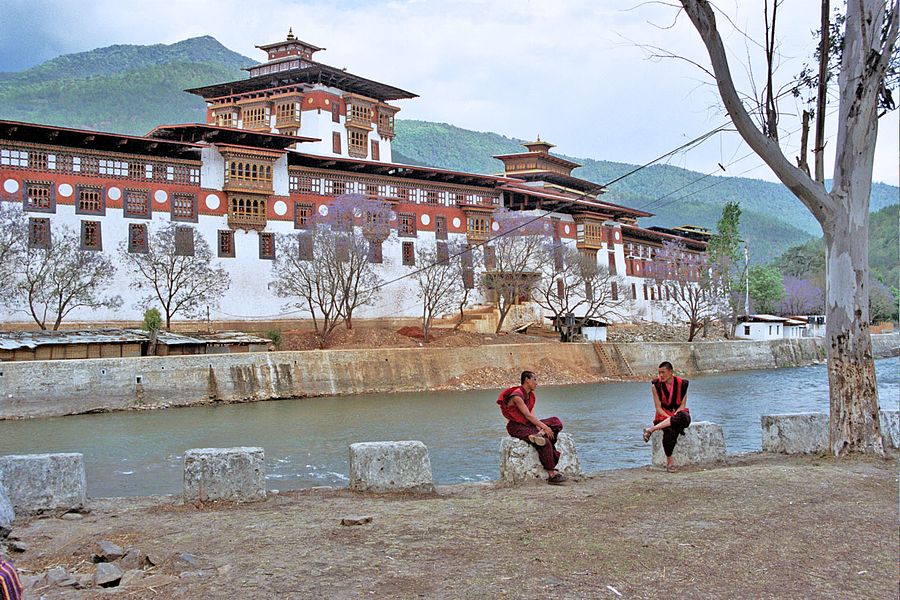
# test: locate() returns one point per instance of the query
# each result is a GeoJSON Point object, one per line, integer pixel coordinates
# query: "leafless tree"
{"type": "Point", "coordinates": [687, 286]}
{"type": "Point", "coordinates": [176, 272]}
{"type": "Point", "coordinates": [465, 273]}
{"type": "Point", "coordinates": [572, 283]}
{"type": "Point", "coordinates": [13, 244]}
{"type": "Point", "coordinates": [357, 223]}
{"type": "Point", "coordinates": [515, 270]}
{"type": "Point", "coordinates": [305, 272]}
{"type": "Point", "coordinates": [54, 280]}
{"type": "Point", "coordinates": [440, 286]}
{"type": "Point", "coordinates": [870, 34]}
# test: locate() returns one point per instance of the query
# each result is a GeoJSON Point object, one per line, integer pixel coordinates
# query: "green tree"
{"type": "Point", "coordinates": [766, 288]}
{"type": "Point", "coordinates": [727, 265]}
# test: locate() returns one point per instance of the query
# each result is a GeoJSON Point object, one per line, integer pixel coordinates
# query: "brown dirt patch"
{"type": "Point", "coordinates": [762, 526]}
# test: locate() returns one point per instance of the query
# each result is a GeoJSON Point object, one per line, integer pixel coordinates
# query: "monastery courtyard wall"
{"type": "Point", "coordinates": [55, 388]}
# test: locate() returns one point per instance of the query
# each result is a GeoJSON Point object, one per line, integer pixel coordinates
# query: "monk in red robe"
{"type": "Point", "coordinates": [672, 415]}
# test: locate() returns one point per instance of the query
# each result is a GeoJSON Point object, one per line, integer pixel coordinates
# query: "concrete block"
{"type": "Point", "coordinates": [390, 467]}
{"type": "Point", "coordinates": [230, 474]}
{"type": "Point", "coordinates": [43, 482]}
{"type": "Point", "coordinates": [519, 460]}
{"type": "Point", "coordinates": [890, 428]}
{"type": "Point", "coordinates": [703, 443]}
{"type": "Point", "coordinates": [7, 515]}
{"type": "Point", "coordinates": [801, 433]}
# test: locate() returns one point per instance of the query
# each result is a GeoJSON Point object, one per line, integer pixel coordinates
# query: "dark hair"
{"type": "Point", "coordinates": [666, 365]}
{"type": "Point", "coordinates": [525, 375]}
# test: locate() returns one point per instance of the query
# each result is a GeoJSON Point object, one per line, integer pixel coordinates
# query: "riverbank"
{"type": "Point", "coordinates": [726, 538]}
{"type": "Point", "coordinates": [55, 388]}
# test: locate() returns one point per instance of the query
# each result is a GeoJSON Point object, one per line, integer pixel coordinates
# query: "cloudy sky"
{"type": "Point", "coordinates": [577, 72]}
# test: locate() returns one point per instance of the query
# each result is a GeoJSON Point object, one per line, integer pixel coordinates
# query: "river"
{"type": "Point", "coordinates": [306, 439]}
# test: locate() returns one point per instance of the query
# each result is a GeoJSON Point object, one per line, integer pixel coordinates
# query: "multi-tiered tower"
{"type": "Point", "coordinates": [292, 94]}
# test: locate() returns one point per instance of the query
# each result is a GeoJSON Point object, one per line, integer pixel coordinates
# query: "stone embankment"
{"type": "Point", "coordinates": [55, 388]}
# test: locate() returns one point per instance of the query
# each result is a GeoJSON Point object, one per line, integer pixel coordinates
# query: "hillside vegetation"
{"type": "Point", "coordinates": [132, 89]}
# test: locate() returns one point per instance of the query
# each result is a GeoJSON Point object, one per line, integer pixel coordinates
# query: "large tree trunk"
{"type": "Point", "coordinates": [843, 213]}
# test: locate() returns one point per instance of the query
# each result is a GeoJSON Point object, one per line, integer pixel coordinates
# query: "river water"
{"type": "Point", "coordinates": [306, 440]}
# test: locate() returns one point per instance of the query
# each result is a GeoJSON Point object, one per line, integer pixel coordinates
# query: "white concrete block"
{"type": "Point", "coordinates": [801, 433]}
{"type": "Point", "coordinates": [7, 515]}
{"type": "Point", "coordinates": [230, 474]}
{"type": "Point", "coordinates": [383, 467]}
{"type": "Point", "coordinates": [36, 483]}
{"type": "Point", "coordinates": [703, 443]}
{"type": "Point", "coordinates": [890, 428]}
{"type": "Point", "coordinates": [519, 460]}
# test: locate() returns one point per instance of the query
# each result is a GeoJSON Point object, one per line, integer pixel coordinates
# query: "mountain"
{"type": "Point", "coordinates": [124, 88]}
{"type": "Point", "coordinates": [132, 89]}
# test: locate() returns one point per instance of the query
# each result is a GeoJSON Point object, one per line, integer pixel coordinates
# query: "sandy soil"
{"type": "Point", "coordinates": [762, 526]}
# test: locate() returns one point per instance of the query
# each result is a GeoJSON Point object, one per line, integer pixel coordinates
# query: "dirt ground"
{"type": "Point", "coordinates": [401, 337]}
{"type": "Point", "coordinates": [761, 526]}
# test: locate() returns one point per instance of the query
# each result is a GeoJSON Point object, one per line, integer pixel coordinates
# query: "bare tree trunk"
{"type": "Point", "coordinates": [855, 425]}
{"type": "Point", "coordinates": [821, 95]}
{"type": "Point", "coordinates": [802, 162]}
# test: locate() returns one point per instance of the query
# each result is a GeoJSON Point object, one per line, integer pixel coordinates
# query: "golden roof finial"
{"type": "Point", "coordinates": [290, 35]}
{"type": "Point", "coordinates": [539, 137]}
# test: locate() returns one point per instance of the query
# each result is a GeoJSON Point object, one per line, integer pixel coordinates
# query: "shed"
{"type": "Point", "coordinates": [584, 329]}
{"type": "Point", "coordinates": [60, 345]}
{"type": "Point", "coordinates": [760, 327]}
{"type": "Point", "coordinates": [794, 328]}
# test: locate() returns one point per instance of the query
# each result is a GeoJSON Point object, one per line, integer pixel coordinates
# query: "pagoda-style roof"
{"type": "Point", "coordinates": [542, 157]}
{"type": "Point", "coordinates": [213, 134]}
{"type": "Point", "coordinates": [566, 181]}
{"type": "Point", "coordinates": [654, 235]}
{"type": "Point", "coordinates": [96, 140]}
{"type": "Point", "coordinates": [429, 174]}
{"type": "Point", "coordinates": [311, 73]}
{"type": "Point", "coordinates": [533, 197]}
{"type": "Point", "coordinates": [687, 231]}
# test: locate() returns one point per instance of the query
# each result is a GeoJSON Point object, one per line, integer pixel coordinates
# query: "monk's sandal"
{"type": "Point", "coordinates": [537, 439]}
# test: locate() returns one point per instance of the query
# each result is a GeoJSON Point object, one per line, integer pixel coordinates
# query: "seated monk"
{"type": "Point", "coordinates": [672, 416]}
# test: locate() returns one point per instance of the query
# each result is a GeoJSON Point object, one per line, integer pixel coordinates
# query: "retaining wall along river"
{"type": "Point", "coordinates": [61, 387]}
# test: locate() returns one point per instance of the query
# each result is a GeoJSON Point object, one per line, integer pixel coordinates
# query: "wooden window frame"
{"type": "Point", "coordinates": [440, 227]}
{"type": "Point", "coordinates": [129, 214]}
{"type": "Point", "coordinates": [305, 246]}
{"type": "Point", "coordinates": [89, 229]}
{"type": "Point", "coordinates": [408, 254]}
{"type": "Point", "coordinates": [406, 225]}
{"type": "Point", "coordinates": [174, 210]}
{"type": "Point", "coordinates": [375, 254]}
{"type": "Point", "coordinates": [376, 150]}
{"type": "Point", "coordinates": [336, 142]}
{"type": "Point", "coordinates": [302, 220]}
{"type": "Point", "coordinates": [136, 244]}
{"type": "Point", "coordinates": [442, 253]}
{"type": "Point", "coordinates": [183, 233]}
{"type": "Point", "coordinates": [101, 199]}
{"type": "Point", "coordinates": [266, 246]}
{"type": "Point", "coordinates": [225, 250]}
{"type": "Point", "coordinates": [39, 233]}
{"type": "Point", "coordinates": [27, 201]}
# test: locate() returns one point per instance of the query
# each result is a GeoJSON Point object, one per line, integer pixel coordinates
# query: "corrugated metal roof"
{"type": "Point", "coordinates": [17, 340]}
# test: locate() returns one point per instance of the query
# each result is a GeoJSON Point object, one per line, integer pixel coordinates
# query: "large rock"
{"type": "Point", "coordinates": [7, 515]}
{"type": "Point", "coordinates": [383, 467]}
{"type": "Point", "coordinates": [703, 443]}
{"type": "Point", "coordinates": [519, 460]}
{"type": "Point", "coordinates": [42, 482]}
{"type": "Point", "coordinates": [890, 428]}
{"type": "Point", "coordinates": [231, 474]}
{"type": "Point", "coordinates": [801, 433]}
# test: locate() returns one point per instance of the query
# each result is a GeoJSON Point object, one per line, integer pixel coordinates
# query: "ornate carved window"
{"type": "Point", "coordinates": [184, 241]}
{"type": "Point", "coordinates": [137, 238]}
{"type": "Point", "coordinates": [226, 243]}
{"type": "Point", "coordinates": [409, 254]}
{"type": "Point", "coordinates": [256, 117]}
{"type": "Point", "coordinates": [406, 225]}
{"type": "Point", "coordinates": [137, 204]}
{"type": "Point", "coordinates": [356, 143]}
{"type": "Point", "coordinates": [90, 236]}
{"type": "Point", "coordinates": [90, 201]}
{"type": "Point", "coordinates": [267, 246]}
{"type": "Point", "coordinates": [39, 233]}
{"type": "Point", "coordinates": [184, 207]}
{"type": "Point", "coordinates": [247, 211]}
{"type": "Point", "coordinates": [477, 226]}
{"type": "Point", "coordinates": [304, 215]}
{"type": "Point", "coordinates": [440, 228]}
{"type": "Point", "coordinates": [38, 197]}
